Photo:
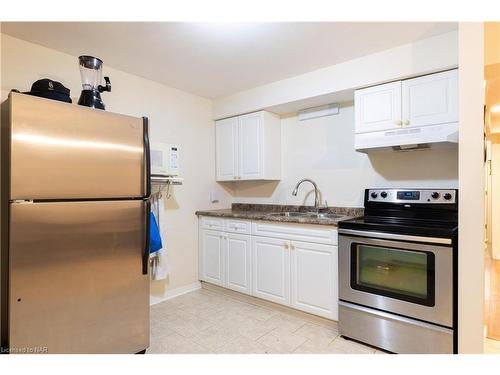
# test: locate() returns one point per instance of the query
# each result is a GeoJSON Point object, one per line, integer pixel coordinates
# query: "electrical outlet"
{"type": "Point", "coordinates": [214, 196]}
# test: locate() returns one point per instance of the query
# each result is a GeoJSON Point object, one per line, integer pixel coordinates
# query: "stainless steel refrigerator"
{"type": "Point", "coordinates": [74, 229]}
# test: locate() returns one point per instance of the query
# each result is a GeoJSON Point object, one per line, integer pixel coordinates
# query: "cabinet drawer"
{"type": "Point", "coordinates": [238, 226]}
{"type": "Point", "coordinates": [215, 223]}
{"type": "Point", "coordinates": [299, 232]}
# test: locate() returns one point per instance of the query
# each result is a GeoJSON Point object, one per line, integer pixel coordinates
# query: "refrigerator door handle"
{"type": "Point", "coordinates": [145, 254]}
{"type": "Point", "coordinates": [147, 156]}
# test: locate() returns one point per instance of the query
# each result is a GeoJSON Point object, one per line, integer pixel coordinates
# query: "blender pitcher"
{"type": "Point", "coordinates": [91, 74]}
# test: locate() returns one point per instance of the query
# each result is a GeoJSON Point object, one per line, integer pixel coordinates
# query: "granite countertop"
{"type": "Point", "coordinates": [266, 211]}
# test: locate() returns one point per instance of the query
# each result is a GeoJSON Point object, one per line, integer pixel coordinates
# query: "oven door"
{"type": "Point", "coordinates": [406, 278]}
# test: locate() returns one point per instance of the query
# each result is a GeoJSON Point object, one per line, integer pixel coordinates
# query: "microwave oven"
{"type": "Point", "coordinates": [164, 159]}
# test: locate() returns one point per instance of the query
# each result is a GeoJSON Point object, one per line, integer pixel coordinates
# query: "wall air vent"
{"type": "Point", "coordinates": [321, 111]}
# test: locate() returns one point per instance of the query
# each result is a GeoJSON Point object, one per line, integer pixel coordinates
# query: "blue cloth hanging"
{"type": "Point", "coordinates": [154, 235]}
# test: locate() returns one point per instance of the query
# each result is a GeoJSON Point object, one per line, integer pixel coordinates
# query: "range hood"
{"type": "Point", "coordinates": [408, 139]}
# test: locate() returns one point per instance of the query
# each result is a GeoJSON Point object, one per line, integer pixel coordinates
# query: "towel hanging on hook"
{"type": "Point", "coordinates": [159, 261]}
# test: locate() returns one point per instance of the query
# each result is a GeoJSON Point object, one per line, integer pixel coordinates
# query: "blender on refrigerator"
{"type": "Point", "coordinates": [91, 73]}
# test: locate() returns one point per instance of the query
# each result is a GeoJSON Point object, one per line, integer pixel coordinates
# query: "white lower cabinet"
{"type": "Point", "coordinates": [314, 278]}
{"type": "Point", "coordinates": [238, 255]}
{"type": "Point", "coordinates": [212, 257]}
{"type": "Point", "coordinates": [274, 266]}
{"type": "Point", "coordinates": [271, 269]}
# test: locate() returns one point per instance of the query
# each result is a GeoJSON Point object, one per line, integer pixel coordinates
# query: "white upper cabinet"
{"type": "Point", "coordinates": [226, 134]}
{"type": "Point", "coordinates": [416, 102]}
{"type": "Point", "coordinates": [378, 108]}
{"type": "Point", "coordinates": [431, 99]}
{"type": "Point", "coordinates": [249, 147]}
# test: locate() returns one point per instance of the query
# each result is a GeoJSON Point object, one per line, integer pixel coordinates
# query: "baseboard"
{"type": "Point", "coordinates": [153, 300]}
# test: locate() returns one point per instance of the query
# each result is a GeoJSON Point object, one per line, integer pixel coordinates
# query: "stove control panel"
{"type": "Point", "coordinates": [441, 196]}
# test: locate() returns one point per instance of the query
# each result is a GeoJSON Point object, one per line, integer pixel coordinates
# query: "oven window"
{"type": "Point", "coordinates": [403, 274]}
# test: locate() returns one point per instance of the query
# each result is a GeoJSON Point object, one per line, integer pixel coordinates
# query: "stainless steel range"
{"type": "Point", "coordinates": [397, 271]}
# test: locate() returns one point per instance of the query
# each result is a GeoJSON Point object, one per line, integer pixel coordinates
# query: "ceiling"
{"type": "Point", "coordinates": [218, 59]}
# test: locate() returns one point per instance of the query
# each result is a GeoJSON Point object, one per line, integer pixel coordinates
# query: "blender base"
{"type": "Point", "coordinates": [91, 98]}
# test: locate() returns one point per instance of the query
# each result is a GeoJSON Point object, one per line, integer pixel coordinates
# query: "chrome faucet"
{"type": "Point", "coordinates": [316, 191]}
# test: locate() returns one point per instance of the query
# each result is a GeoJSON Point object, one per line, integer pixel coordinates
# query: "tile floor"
{"type": "Point", "coordinates": [491, 346]}
{"type": "Point", "coordinates": [206, 321]}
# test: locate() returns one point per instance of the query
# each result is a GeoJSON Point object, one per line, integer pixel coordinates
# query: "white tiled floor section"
{"type": "Point", "coordinates": [491, 346]}
{"type": "Point", "coordinates": [205, 321]}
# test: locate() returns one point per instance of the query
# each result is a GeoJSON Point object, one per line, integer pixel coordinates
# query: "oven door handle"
{"type": "Point", "coordinates": [394, 236]}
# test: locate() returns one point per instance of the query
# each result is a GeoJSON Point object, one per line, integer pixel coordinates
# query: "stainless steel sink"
{"type": "Point", "coordinates": [327, 216]}
{"type": "Point", "coordinates": [290, 214]}
{"type": "Point", "coordinates": [312, 215]}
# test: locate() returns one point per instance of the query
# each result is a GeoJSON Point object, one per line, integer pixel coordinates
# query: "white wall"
{"type": "Point", "coordinates": [323, 149]}
{"type": "Point", "coordinates": [425, 56]}
{"type": "Point", "coordinates": [471, 199]}
{"type": "Point", "coordinates": [175, 116]}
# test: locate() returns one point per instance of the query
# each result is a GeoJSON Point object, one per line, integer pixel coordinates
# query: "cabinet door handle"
{"type": "Point", "coordinates": [286, 245]}
{"type": "Point", "coordinates": [292, 246]}
{"type": "Point", "coordinates": [399, 123]}
{"type": "Point", "coordinates": [407, 122]}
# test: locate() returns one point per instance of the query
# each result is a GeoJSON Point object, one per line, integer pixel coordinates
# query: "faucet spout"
{"type": "Point", "coordinates": [316, 191]}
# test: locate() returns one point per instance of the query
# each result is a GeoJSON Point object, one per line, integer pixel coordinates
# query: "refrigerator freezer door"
{"type": "Point", "coordinates": [65, 151]}
{"type": "Point", "coordinates": [76, 282]}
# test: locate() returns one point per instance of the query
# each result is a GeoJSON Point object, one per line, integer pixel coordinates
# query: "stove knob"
{"type": "Point", "coordinates": [447, 196]}
{"type": "Point", "coordinates": [374, 195]}
{"type": "Point", "coordinates": [435, 195]}
{"type": "Point", "coordinates": [383, 194]}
